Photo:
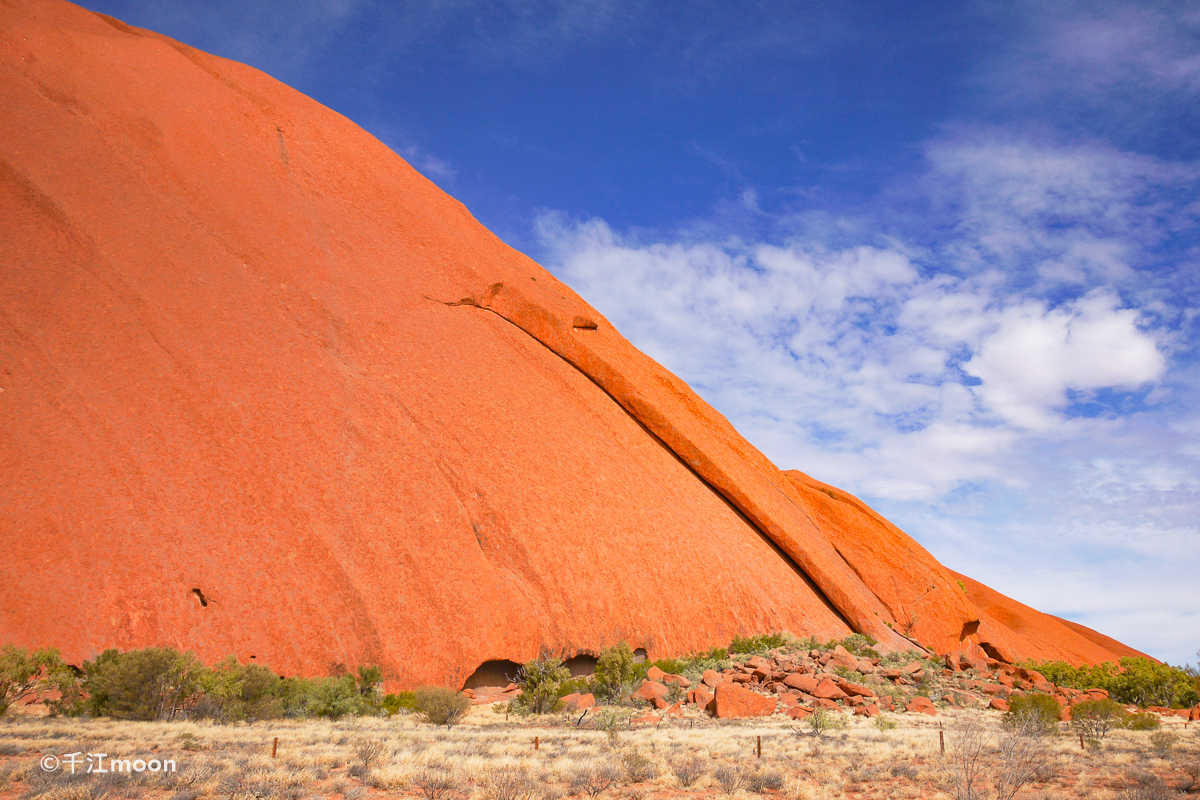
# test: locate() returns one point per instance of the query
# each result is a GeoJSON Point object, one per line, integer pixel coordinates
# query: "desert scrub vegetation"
{"type": "Point", "coordinates": [486, 758]}
{"type": "Point", "coordinates": [1093, 719]}
{"type": "Point", "coordinates": [540, 681]}
{"type": "Point", "coordinates": [156, 683]}
{"type": "Point", "coordinates": [1132, 681]}
{"type": "Point", "coordinates": [439, 705]}
{"type": "Point", "coordinates": [24, 674]}
{"type": "Point", "coordinates": [1038, 712]}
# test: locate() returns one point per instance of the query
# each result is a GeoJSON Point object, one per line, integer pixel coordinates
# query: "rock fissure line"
{"type": "Point", "coordinates": [689, 466]}
{"type": "Point", "coordinates": [840, 585]}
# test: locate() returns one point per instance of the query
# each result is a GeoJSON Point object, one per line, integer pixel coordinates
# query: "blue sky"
{"type": "Point", "coordinates": [943, 255]}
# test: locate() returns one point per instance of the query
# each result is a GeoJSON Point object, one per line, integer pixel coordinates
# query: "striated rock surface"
{"type": "Point", "coordinates": [268, 391]}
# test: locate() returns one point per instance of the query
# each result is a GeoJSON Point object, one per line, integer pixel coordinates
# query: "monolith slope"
{"type": "Point", "coordinates": [268, 391]}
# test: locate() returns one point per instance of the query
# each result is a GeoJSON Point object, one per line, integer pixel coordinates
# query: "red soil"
{"type": "Point", "coordinates": [267, 391]}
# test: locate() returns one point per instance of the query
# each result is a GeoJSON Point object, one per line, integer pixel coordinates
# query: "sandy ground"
{"type": "Point", "coordinates": [489, 757]}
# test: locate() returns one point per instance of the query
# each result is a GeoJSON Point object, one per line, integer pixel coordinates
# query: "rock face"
{"type": "Point", "coordinates": [268, 391]}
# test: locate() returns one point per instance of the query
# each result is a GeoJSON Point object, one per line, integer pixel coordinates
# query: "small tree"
{"type": "Point", "coordinates": [1022, 754]}
{"type": "Point", "coordinates": [615, 671]}
{"type": "Point", "coordinates": [232, 692]}
{"type": "Point", "coordinates": [334, 698]}
{"type": "Point", "coordinates": [369, 678]}
{"type": "Point", "coordinates": [23, 673]}
{"type": "Point", "coordinates": [964, 759]}
{"type": "Point", "coordinates": [539, 681]}
{"type": "Point", "coordinates": [1093, 719]}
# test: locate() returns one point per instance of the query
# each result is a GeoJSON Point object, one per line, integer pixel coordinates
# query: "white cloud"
{"type": "Point", "coordinates": [1035, 355]}
{"type": "Point", "coordinates": [1065, 213]}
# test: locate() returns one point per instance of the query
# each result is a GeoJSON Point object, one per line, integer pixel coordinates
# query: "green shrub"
{"type": "Point", "coordinates": [1148, 683]}
{"type": "Point", "coordinates": [23, 673]}
{"type": "Point", "coordinates": [1137, 681]}
{"type": "Point", "coordinates": [331, 697]}
{"type": "Point", "coordinates": [1093, 719]}
{"type": "Point", "coordinates": [823, 720]}
{"type": "Point", "coordinates": [441, 705]}
{"type": "Point", "coordinates": [392, 703]}
{"type": "Point", "coordinates": [860, 645]}
{"type": "Point", "coordinates": [1142, 721]}
{"type": "Point", "coordinates": [231, 692]}
{"type": "Point", "coordinates": [759, 644]}
{"type": "Point", "coordinates": [1038, 710]}
{"type": "Point", "coordinates": [368, 680]}
{"type": "Point", "coordinates": [615, 671]}
{"type": "Point", "coordinates": [582, 685]}
{"type": "Point", "coordinates": [334, 698]}
{"type": "Point", "coordinates": [148, 684]}
{"type": "Point", "coordinates": [539, 680]}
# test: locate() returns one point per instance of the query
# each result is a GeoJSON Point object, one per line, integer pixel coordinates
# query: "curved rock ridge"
{"type": "Point", "coordinates": [268, 391]}
{"type": "Point", "coordinates": [1002, 627]}
{"type": "Point", "coordinates": [1013, 631]}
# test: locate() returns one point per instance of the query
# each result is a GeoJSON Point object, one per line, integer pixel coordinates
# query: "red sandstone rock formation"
{"type": "Point", "coordinates": [267, 391]}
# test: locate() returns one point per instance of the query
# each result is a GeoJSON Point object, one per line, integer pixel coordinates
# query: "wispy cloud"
{"type": "Point", "coordinates": [289, 40]}
{"type": "Point", "coordinates": [1087, 50]}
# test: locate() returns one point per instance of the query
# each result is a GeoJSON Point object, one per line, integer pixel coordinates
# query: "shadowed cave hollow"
{"type": "Point", "coordinates": [501, 672]}
{"type": "Point", "coordinates": [582, 665]}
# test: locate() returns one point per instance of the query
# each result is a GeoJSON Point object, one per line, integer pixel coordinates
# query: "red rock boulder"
{"type": "Point", "coordinates": [829, 690]}
{"type": "Point", "coordinates": [734, 702]}
{"type": "Point", "coordinates": [578, 702]}
{"type": "Point", "coordinates": [804, 683]}
{"type": "Point", "coordinates": [921, 705]}
{"type": "Point", "coordinates": [650, 691]}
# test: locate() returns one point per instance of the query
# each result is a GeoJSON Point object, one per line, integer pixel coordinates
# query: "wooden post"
{"type": "Point", "coordinates": [1081, 747]}
{"type": "Point", "coordinates": [537, 740]}
{"type": "Point", "coordinates": [275, 747]}
{"type": "Point", "coordinates": [942, 739]}
{"type": "Point", "coordinates": [760, 747]}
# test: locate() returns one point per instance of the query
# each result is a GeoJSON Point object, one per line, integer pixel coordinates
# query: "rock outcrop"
{"type": "Point", "coordinates": [268, 391]}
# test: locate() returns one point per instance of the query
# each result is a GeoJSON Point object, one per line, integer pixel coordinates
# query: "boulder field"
{"type": "Point", "coordinates": [267, 391]}
{"type": "Point", "coordinates": [798, 684]}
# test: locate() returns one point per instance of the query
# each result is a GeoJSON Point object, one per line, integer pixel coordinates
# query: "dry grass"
{"type": "Point", "coordinates": [489, 758]}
